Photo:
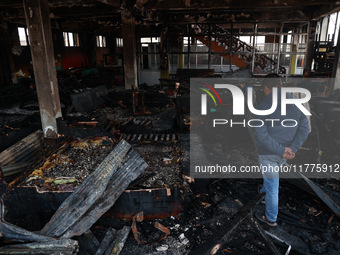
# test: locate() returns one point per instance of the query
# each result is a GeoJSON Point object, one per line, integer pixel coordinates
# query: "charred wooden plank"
{"type": "Point", "coordinates": [334, 206]}
{"type": "Point", "coordinates": [63, 246]}
{"type": "Point", "coordinates": [15, 168]}
{"type": "Point", "coordinates": [88, 243]}
{"type": "Point", "coordinates": [83, 198]}
{"type": "Point", "coordinates": [134, 137]}
{"type": "Point", "coordinates": [116, 247]}
{"type": "Point", "coordinates": [15, 233]}
{"type": "Point", "coordinates": [107, 240]}
{"type": "Point", "coordinates": [270, 245]}
{"type": "Point", "coordinates": [34, 140]}
{"type": "Point", "coordinates": [133, 166]}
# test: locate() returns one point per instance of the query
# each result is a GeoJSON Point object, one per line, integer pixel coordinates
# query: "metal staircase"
{"type": "Point", "coordinates": [222, 40]}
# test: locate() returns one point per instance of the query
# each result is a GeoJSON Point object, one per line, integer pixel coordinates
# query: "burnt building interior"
{"type": "Point", "coordinates": [95, 126]}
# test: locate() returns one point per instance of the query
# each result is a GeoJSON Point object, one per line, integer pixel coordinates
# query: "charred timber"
{"type": "Point", "coordinates": [118, 243]}
{"type": "Point", "coordinates": [80, 201]}
{"type": "Point", "coordinates": [97, 193]}
{"type": "Point", "coordinates": [15, 233]}
{"type": "Point", "coordinates": [63, 246]}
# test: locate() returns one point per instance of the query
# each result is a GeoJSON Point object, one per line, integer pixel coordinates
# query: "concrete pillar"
{"type": "Point", "coordinates": [180, 56]}
{"type": "Point", "coordinates": [310, 48]}
{"type": "Point", "coordinates": [91, 48]}
{"type": "Point", "coordinates": [164, 49]}
{"type": "Point", "coordinates": [7, 70]}
{"type": "Point", "coordinates": [129, 52]}
{"type": "Point", "coordinates": [40, 35]}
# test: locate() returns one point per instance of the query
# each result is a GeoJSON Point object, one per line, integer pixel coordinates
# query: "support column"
{"type": "Point", "coordinates": [7, 71]}
{"type": "Point", "coordinates": [294, 50]}
{"type": "Point", "coordinates": [129, 52]}
{"type": "Point", "coordinates": [40, 35]}
{"type": "Point", "coordinates": [310, 49]}
{"type": "Point", "coordinates": [164, 49]}
{"type": "Point", "coordinates": [180, 56]}
{"type": "Point", "coordinates": [91, 48]}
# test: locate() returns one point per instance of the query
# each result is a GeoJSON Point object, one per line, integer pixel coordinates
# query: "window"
{"type": "Point", "coordinates": [23, 36]}
{"type": "Point", "coordinates": [71, 39]}
{"type": "Point", "coordinates": [101, 41]}
{"type": "Point", "coordinates": [119, 42]}
{"type": "Point", "coordinates": [149, 52]}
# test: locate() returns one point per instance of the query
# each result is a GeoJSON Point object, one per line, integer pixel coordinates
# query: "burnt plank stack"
{"type": "Point", "coordinates": [96, 194]}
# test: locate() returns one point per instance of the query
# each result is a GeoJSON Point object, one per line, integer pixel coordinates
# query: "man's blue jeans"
{"type": "Point", "coordinates": [270, 165]}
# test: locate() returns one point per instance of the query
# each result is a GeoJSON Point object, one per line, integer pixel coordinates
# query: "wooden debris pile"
{"type": "Point", "coordinates": [91, 199]}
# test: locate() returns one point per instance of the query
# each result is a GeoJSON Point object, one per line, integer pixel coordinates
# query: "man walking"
{"type": "Point", "coordinates": [277, 143]}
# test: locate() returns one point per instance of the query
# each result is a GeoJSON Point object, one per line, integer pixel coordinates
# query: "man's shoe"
{"type": "Point", "coordinates": [270, 223]}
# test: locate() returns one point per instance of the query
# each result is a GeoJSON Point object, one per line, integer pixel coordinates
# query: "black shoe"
{"type": "Point", "coordinates": [270, 223]}
{"type": "Point", "coordinates": [259, 214]}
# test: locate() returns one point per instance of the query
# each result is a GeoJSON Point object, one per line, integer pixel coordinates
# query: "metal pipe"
{"type": "Point", "coordinates": [209, 53]}
{"type": "Point", "coordinates": [279, 50]}
{"type": "Point", "coordinates": [253, 56]}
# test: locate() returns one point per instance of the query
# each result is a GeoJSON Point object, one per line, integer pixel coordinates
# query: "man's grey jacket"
{"type": "Point", "coordinates": [273, 140]}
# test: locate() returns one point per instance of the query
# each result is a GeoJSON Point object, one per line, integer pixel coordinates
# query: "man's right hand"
{"type": "Point", "coordinates": [289, 153]}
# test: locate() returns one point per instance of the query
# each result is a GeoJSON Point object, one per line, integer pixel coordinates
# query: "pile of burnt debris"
{"type": "Point", "coordinates": [117, 181]}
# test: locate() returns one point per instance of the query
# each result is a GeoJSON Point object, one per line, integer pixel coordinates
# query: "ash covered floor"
{"type": "Point", "coordinates": [305, 222]}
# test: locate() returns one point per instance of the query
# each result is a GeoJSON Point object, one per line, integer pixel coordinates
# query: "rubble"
{"type": "Point", "coordinates": [181, 214]}
{"type": "Point", "coordinates": [72, 165]}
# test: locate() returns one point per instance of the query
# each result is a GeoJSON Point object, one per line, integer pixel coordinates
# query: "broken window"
{"type": "Point", "coordinates": [23, 36]}
{"type": "Point", "coordinates": [119, 42]}
{"type": "Point", "coordinates": [101, 41]}
{"type": "Point", "coordinates": [71, 39]}
{"type": "Point", "coordinates": [149, 52]}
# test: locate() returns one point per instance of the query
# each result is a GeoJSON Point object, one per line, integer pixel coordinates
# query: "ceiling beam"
{"type": "Point", "coordinates": [113, 3]}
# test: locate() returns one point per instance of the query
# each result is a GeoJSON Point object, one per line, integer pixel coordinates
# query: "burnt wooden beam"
{"type": "Point", "coordinates": [15, 233]}
{"type": "Point", "coordinates": [82, 199]}
{"type": "Point", "coordinates": [88, 243]}
{"type": "Point", "coordinates": [270, 245]}
{"type": "Point", "coordinates": [113, 241]}
{"type": "Point", "coordinates": [41, 45]}
{"type": "Point", "coordinates": [129, 52]}
{"type": "Point", "coordinates": [107, 240]}
{"type": "Point", "coordinates": [20, 155]}
{"type": "Point", "coordinates": [231, 4]}
{"type": "Point", "coordinates": [118, 243]}
{"type": "Point", "coordinates": [113, 3]}
{"type": "Point", "coordinates": [63, 246]}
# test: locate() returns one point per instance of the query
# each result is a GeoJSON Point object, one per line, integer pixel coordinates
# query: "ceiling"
{"type": "Point", "coordinates": [108, 13]}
